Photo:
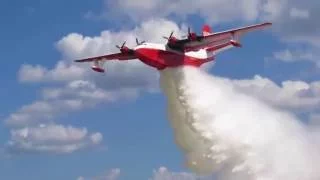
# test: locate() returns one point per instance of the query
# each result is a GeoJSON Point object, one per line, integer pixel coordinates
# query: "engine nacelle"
{"type": "Point", "coordinates": [192, 36]}
{"type": "Point", "coordinates": [97, 69]}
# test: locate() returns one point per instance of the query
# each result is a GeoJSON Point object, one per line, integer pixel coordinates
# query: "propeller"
{"type": "Point", "coordinates": [171, 34]}
{"type": "Point", "coordinates": [191, 35]}
{"type": "Point", "coordinates": [122, 46]}
{"type": "Point", "coordinates": [139, 43]}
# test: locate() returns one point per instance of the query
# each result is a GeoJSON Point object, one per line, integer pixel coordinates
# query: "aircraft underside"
{"type": "Point", "coordinates": [161, 59]}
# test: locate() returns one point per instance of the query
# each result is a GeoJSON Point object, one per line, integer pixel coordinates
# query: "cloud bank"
{"type": "Point", "coordinates": [295, 22]}
{"type": "Point", "coordinates": [71, 87]}
{"type": "Point", "coordinates": [52, 138]}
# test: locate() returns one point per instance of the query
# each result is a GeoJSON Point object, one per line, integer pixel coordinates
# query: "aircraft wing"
{"type": "Point", "coordinates": [218, 38]}
{"type": "Point", "coordinates": [119, 56]}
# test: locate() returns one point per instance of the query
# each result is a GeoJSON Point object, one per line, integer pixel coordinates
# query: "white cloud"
{"type": "Point", "coordinates": [298, 13]}
{"type": "Point", "coordinates": [75, 96]}
{"type": "Point", "coordinates": [76, 45]}
{"type": "Point", "coordinates": [213, 11]}
{"type": "Point", "coordinates": [297, 96]}
{"type": "Point", "coordinates": [281, 12]}
{"type": "Point", "coordinates": [77, 87]}
{"type": "Point", "coordinates": [122, 79]}
{"type": "Point", "coordinates": [273, 9]}
{"type": "Point", "coordinates": [51, 138]}
{"type": "Point", "coordinates": [293, 56]}
{"type": "Point", "coordinates": [297, 21]}
{"type": "Point", "coordinates": [29, 136]}
{"type": "Point", "coordinates": [125, 74]}
{"type": "Point", "coordinates": [62, 72]}
{"type": "Point", "coordinates": [294, 21]}
{"type": "Point", "coordinates": [31, 73]}
{"type": "Point", "coordinates": [164, 174]}
{"type": "Point", "coordinates": [85, 88]}
{"type": "Point", "coordinates": [112, 174]}
{"type": "Point", "coordinates": [127, 79]}
{"type": "Point", "coordinates": [285, 55]}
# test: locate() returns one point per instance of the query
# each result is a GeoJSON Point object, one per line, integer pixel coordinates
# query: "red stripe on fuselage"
{"type": "Point", "coordinates": [161, 59]}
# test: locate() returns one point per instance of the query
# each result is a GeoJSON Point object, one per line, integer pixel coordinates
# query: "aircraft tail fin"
{"type": "Point", "coordinates": [206, 30]}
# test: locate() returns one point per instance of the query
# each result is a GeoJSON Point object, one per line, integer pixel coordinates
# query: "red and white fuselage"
{"type": "Point", "coordinates": [160, 56]}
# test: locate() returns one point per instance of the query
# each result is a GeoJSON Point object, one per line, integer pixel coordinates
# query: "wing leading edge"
{"type": "Point", "coordinates": [119, 56]}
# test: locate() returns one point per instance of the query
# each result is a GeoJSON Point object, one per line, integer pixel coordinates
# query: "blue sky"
{"type": "Point", "coordinates": [137, 137]}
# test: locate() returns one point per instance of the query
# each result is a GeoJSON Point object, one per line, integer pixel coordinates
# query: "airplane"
{"type": "Point", "coordinates": [193, 50]}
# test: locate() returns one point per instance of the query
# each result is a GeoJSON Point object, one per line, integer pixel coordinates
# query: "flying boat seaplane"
{"type": "Point", "coordinates": [193, 50]}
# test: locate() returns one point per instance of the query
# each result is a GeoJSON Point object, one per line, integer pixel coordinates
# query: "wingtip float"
{"type": "Point", "coordinates": [193, 50]}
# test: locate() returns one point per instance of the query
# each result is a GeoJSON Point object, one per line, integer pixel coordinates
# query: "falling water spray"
{"type": "Point", "coordinates": [233, 135]}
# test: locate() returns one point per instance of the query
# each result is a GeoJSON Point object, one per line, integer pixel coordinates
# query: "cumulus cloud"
{"type": "Point", "coordinates": [126, 79]}
{"type": "Point", "coordinates": [299, 13]}
{"type": "Point", "coordinates": [74, 96]}
{"type": "Point", "coordinates": [292, 56]}
{"type": "Point", "coordinates": [164, 174]}
{"type": "Point", "coordinates": [297, 20]}
{"type": "Point", "coordinates": [129, 74]}
{"type": "Point", "coordinates": [311, 54]}
{"type": "Point", "coordinates": [112, 174]}
{"type": "Point", "coordinates": [288, 16]}
{"type": "Point", "coordinates": [74, 86]}
{"type": "Point", "coordinates": [296, 96]}
{"type": "Point", "coordinates": [28, 135]}
{"type": "Point", "coordinates": [294, 21]}
{"type": "Point", "coordinates": [84, 88]}
{"type": "Point", "coordinates": [61, 72]}
{"type": "Point", "coordinates": [51, 138]}
{"type": "Point", "coordinates": [212, 11]}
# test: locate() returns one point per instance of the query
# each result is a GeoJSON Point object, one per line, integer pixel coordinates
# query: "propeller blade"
{"type": "Point", "coordinates": [165, 37]}
{"type": "Point", "coordinates": [123, 44]}
{"type": "Point", "coordinates": [171, 34]}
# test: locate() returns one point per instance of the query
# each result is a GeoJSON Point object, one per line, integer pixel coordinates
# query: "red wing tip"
{"type": "Point", "coordinates": [82, 60]}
